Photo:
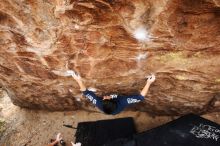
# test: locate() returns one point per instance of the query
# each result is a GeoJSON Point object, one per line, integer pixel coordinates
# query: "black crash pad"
{"type": "Point", "coordinates": [100, 132]}
{"type": "Point", "coordinates": [189, 130]}
{"type": "Point", "coordinates": [121, 142]}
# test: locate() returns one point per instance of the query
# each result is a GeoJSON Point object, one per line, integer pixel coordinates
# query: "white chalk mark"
{"type": "Point", "coordinates": [141, 34]}
{"type": "Point", "coordinates": [78, 99]}
{"type": "Point", "coordinates": [141, 57]}
{"type": "Point", "coordinates": [61, 9]}
{"type": "Point", "coordinates": [76, 26]}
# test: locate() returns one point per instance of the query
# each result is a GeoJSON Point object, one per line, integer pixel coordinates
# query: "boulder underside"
{"type": "Point", "coordinates": [97, 39]}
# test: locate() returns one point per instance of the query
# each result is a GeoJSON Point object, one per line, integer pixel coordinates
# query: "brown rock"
{"type": "Point", "coordinates": [96, 38]}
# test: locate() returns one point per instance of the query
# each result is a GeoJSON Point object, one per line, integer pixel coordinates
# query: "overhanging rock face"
{"type": "Point", "coordinates": [97, 39]}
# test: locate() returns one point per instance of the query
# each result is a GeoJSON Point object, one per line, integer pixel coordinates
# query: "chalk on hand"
{"type": "Point", "coordinates": [73, 74]}
{"type": "Point", "coordinates": [61, 73]}
{"type": "Point", "coordinates": [66, 73]}
{"type": "Point", "coordinates": [150, 76]}
{"type": "Point", "coordinates": [70, 72]}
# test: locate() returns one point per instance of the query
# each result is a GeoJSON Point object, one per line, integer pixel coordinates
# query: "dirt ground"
{"type": "Point", "coordinates": [25, 127]}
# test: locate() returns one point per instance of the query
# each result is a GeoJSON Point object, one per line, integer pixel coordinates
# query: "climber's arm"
{"type": "Point", "coordinates": [81, 85]}
{"type": "Point", "coordinates": [88, 94]}
{"type": "Point", "coordinates": [93, 98]}
{"type": "Point", "coordinates": [150, 80]}
{"type": "Point", "coordinates": [78, 79]}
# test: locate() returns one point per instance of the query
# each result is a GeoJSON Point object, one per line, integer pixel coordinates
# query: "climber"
{"type": "Point", "coordinates": [113, 104]}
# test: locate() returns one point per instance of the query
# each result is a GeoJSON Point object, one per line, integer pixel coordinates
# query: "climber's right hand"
{"type": "Point", "coordinates": [75, 75]}
{"type": "Point", "coordinates": [151, 78]}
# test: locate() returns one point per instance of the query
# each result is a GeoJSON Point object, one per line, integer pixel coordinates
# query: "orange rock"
{"type": "Point", "coordinates": [96, 39]}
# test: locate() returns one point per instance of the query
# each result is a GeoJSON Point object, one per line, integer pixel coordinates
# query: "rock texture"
{"type": "Point", "coordinates": [96, 38]}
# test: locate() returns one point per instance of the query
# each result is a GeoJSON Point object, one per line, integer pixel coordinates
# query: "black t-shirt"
{"type": "Point", "coordinates": [122, 101]}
